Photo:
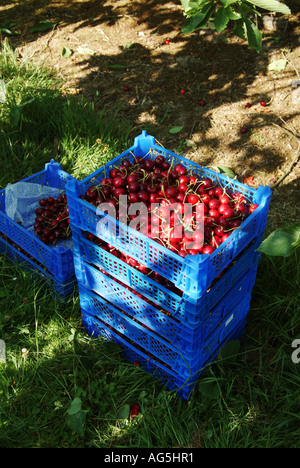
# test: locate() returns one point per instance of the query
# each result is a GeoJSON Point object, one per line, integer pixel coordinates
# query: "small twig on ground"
{"type": "Point", "coordinates": [295, 159]}
{"type": "Point", "coordinates": [291, 62]}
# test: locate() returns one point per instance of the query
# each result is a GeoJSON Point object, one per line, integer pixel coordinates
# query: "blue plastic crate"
{"type": "Point", "coordinates": [188, 352]}
{"type": "Point", "coordinates": [180, 305]}
{"type": "Point", "coordinates": [58, 259]}
{"type": "Point", "coordinates": [157, 320]}
{"type": "Point", "coordinates": [192, 273]}
{"type": "Point", "coordinates": [15, 256]}
{"type": "Point", "coordinates": [182, 384]}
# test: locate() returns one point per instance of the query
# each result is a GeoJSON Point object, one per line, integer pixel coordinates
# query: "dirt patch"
{"type": "Point", "coordinates": [129, 57]}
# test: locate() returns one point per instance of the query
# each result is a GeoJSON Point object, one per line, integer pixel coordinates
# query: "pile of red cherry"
{"type": "Point", "coordinates": [52, 220]}
{"type": "Point", "coordinates": [156, 181]}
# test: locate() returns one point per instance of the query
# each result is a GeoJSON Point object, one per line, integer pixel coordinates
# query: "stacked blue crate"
{"type": "Point", "coordinates": [182, 328]}
{"type": "Point", "coordinates": [54, 264]}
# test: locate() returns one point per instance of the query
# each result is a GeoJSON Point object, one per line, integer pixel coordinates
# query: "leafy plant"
{"type": "Point", "coordinates": [217, 14]}
{"type": "Point", "coordinates": [76, 417]}
{"type": "Point", "coordinates": [282, 242]}
{"type": "Point", "coordinates": [7, 27]}
{"type": "Point", "coordinates": [42, 26]}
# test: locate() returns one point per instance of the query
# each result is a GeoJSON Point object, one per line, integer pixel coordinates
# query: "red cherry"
{"type": "Point", "coordinates": [228, 212]}
{"type": "Point", "coordinates": [91, 193]}
{"type": "Point", "coordinates": [133, 186]}
{"type": "Point", "coordinates": [224, 199]}
{"type": "Point", "coordinates": [47, 233]}
{"type": "Point", "coordinates": [46, 214]}
{"type": "Point", "coordinates": [133, 197]}
{"type": "Point", "coordinates": [214, 213]}
{"type": "Point", "coordinates": [119, 191]}
{"type": "Point", "coordinates": [50, 200]}
{"type": "Point", "coordinates": [214, 204]}
{"type": "Point", "coordinates": [205, 198]}
{"type": "Point", "coordinates": [253, 207]}
{"type": "Point", "coordinates": [193, 199]}
{"type": "Point", "coordinates": [208, 249]}
{"type": "Point", "coordinates": [134, 412]}
{"type": "Point", "coordinates": [225, 237]}
{"type": "Point", "coordinates": [143, 196]}
{"type": "Point", "coordinates": [118, 181]}
{"type": "Point", "coordinates": [263, 103]}
{"type": "Point", "coordinates": [180, 169]}
{"type": "Point", "coordinates": [207, 183]}
{"type": "Point", "coordinates": [171, 192]}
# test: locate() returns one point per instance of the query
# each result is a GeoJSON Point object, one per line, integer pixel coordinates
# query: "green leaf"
{"type": "Point", "coordinates": [75, 406]}
{"type": "Point", "coordinates": [3, 292]}
{"type": "Point", "coordinates": [9, 32]}
{"type": "Point", "coordinates": [197, 19]}
{"type": "Point", "coordinates": [176, 129]}
{"type": "Point", "coordinates": [189, 5]}
{"type": "Point", "coordinates": [77, 422]}
{"type": "Point", "coordinates": [227, 171]}
{"type": "Point", "coordinates": [2, 92]}
{"type": "Point", "coordinates": [76, 417]}
{"type": "Point", "coordinates": [123, 412]}
{"type": "Point", "coordinates": [221, 19]}
{"type": "Point", "coordinates": [281, 242]}
{"type": "Point", "coordinates": [233, 15]}
{"type": "Point", "coordinates": [209, 389]}
{"type": "Point", "coordinates": [131, 44]}
{"type": "Point", "coordinates": [117, 67]}
{"type": "Point", "coordinates": [15, 116]}
{"type": "Point", "coordinates": [254, 35]}
{"type": "Point", "coordinates": [226, 3]}
{"type": "Point", "coordinates": [6, 28]}
{"type": "Point", "coordinates": [66, 52]}
{"type": "Point", "coordinates": [185, 4]}
{"type": "Point", "coordinates": [240, 28]}
{"type": "Point", "coordinates": [8, 24]}
{"type": "Point", "coordinates": [277, 65]}
{"type": "Point", "coordinates": [230, 350]}
{"type": "Point", "coordinates": [272, 5]}
{"type": "Point", "coordinates": [42, 26]}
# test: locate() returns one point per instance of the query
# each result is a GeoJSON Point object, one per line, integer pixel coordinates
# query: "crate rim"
{"type": "Point", "coordinates": [73, 185]}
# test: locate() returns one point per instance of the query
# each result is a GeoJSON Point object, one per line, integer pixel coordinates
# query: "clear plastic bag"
{"type": "Point", "coordinates": [22, 199]}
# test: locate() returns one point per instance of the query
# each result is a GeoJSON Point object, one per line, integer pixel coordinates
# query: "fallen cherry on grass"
{"type": "Point", "coordinates": [134, 411]}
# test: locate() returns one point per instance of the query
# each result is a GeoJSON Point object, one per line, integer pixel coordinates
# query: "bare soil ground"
{"type": "Point", "coordinates": [120, 59]}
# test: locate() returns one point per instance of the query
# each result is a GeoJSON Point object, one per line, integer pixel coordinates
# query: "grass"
{"type": "Point", "coordinates": [61, 388]}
